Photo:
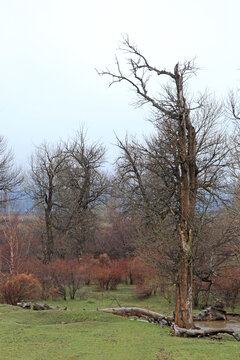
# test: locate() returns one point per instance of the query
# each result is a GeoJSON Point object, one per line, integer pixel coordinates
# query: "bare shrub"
{"type": "Point", "coordinates": [20, 287]}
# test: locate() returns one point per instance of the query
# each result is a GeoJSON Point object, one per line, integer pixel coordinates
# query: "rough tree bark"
{"type": "Point", "coordinates": [188, 191]}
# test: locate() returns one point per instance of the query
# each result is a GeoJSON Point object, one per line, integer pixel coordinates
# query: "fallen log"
{"type": "Point", "coordinates": [24, 305]}
{"type": "Point", "coordinates": [154, 317]}
{"type": "Point", "coordinates": [233, 316]}
{"type": "Point", "coordinates": [39, 307]}
{"type": "Point", "coordinates": [150, 316]}
{"type": "Point", "coordinates": [214, 313]}
{"type": "Point", "coordinates": [177, 331]}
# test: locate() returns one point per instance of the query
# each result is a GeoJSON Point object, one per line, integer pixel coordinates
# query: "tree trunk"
{"type": "Point", "coordinates": [48, 251]}
{"type": "Point", "coordinates": [183, 311]}
{"type": "Point", "coordinates": [48, 248]}
{"type": "Point", "coordinates": [207, 294]}
{"type": "Point", "coordinates": [186, 147]}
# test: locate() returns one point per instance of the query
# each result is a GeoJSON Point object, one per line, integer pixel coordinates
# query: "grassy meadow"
{"type": "Point", "coordinates": [79, 333]}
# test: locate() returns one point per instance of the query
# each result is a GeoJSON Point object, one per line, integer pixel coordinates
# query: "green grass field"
{"type": "Point", "coordinates": [88, 335]}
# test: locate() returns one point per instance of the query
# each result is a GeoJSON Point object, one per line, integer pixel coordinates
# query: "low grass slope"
{"type": "Point", "coordinates": [90, 335]}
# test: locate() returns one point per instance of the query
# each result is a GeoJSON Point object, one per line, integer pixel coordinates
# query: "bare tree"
{"type": "Point", "coordinates": [42, 185]}
{"type": "Point", "coordinates": [233, 111]}
{"type": "Point", "coordinates": [233, 106]}
{"type": "Point", "coordinates": [213, 252]}
{"type": "Point", "coordinates": [185, 157]}
{"type": "Point", "coordinates": [15, 243]}
{"type": "Point", "coordinates": [84, 186]}
{"type": "Point", "coordinates": [10, 175]}
{"type": "Point", "coordinates": [67, 184]}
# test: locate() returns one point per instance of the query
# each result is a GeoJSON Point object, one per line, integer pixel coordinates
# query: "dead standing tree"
{"type": "Point", "coordinates": [172, 109]}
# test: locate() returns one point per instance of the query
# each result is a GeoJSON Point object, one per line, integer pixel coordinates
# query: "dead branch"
{"type": "Point", "coordinates": [177, 331]}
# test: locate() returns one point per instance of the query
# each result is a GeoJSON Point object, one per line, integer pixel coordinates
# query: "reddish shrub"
{"type": "Point", "coordinates": [67, 275]}
{"type": "Point", "coordinates": [117, 273]}
{"type": "Point", "coordinates": [227, 286]}
{"type": "Point", "coordinates": [109, 273]}
{"type": "Point", "coordinates": [144, 277]}
{"type": "Point", "coordinates": [59, 277]}
{"type": "Point", "coordinates": [43, 273]}
{"type": "Point", "coordinates": [142, 273]}
{"type": "Point", "coordinates": [20, 287]}
{"type": "Point", "coordinates": [138, 271]}
{"type": "Point", "coordinates": [87, 264]}
{"type": "Point", "coordinates": [102, 277]}
{"type": "Point", "coordinates": [103, 260]}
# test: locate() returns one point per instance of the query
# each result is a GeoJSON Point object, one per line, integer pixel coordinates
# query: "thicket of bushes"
{"type": "Point", "coordinates": [66, 277]}
{"type": "Point", "coordinates": [62, 278]}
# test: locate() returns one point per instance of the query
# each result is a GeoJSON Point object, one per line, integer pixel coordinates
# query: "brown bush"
{"type": "Point", "coordinates": [109, 273]}
{"type": "Point", "coordinates": [68, 277]}
{"type": "Point", "coordinates": [20, 287]}
{"type": "Point", "coordinates": [226, 286]}
{"type": "Point", "coordinates": [139, 272]}
{"type": "Point", "coordinates": [43, 273]}
{"type": "Point", "coordinates": [145, 278]}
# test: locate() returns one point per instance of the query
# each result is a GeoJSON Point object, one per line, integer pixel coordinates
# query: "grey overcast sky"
{"type": "Point", "coordinates": [50, 48]}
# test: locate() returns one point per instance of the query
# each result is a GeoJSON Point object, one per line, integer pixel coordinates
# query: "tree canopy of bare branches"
{"type": "Point", "coordinates": [10, 175]}
{"type": "Point", "coordinates": [67, 183]}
